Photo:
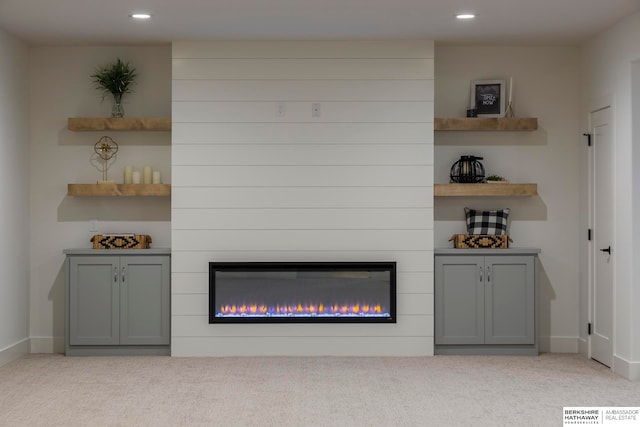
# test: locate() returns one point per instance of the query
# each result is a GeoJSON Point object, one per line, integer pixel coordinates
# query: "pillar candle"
{"type": "Point", "coordinates": [128, 173]}
{"type": "Point", "coordinates": [156, 177]}
{"type": "Point", "coordinates": [135, 177]}
{"type": "Point", "coordinates": [146, 175]}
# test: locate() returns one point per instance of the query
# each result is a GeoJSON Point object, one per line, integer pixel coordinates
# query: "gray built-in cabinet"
{"type": "Point", "coordinates": [486, 301]}
{"type": "Point", "coordinates": [118, 302]}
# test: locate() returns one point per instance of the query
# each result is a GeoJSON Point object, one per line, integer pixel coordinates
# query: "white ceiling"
{"type": "Point", "coordinates": [99, 22]}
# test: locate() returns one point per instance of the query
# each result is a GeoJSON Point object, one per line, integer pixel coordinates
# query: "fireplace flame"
{"type": "Point", "coordinates": [311, 309]}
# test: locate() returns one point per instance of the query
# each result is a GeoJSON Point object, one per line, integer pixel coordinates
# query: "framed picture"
{"type": "Point", "coordinates": [489, 97]}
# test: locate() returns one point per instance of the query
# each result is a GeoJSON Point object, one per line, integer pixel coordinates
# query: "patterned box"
{"type": "Point", "coordinates": [480, 241]}
{"type": "Point", "coordinates": [121, 241]}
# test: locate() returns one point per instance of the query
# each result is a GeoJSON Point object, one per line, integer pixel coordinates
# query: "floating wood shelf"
{"type": "Point", "coordinates": [110, 190]}
{"type": "Point", "coordinates": [502, 189]}
{"type": "Point", "coordinates": [485, 124]}
{"type": "Point", "coordinates": [80, 124]}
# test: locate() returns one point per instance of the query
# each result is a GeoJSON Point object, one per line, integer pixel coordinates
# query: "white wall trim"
{"type": "Point", "coordinates": [583, 347]}
{"type": "Point", "coordinates": [47, 345]}
{"type": "Point", "coordinates": [626, 368]}
{"type": "Point", "coordinates": [14, 351]}
{"type": "Point", "coordinates": [601, 102]}
{"type": "Point", "coordinates": [559, 344]}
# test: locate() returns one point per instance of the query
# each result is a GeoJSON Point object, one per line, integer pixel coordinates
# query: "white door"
{"type": "Point", "coordinates": [602, 250]}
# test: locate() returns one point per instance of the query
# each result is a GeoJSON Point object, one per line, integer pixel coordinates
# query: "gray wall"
{"type": "Point", "coordinates": [14, 199]}
{"type": "Point", "coordinates": [61, 87]}
{"type": "Point", "coordinates": [546, 87]}
{"type": "Point", "coordinates": [608, 64]}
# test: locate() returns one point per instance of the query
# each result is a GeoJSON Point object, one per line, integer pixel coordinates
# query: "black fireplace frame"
{"type": "Point", "coordinates": [302, 267]}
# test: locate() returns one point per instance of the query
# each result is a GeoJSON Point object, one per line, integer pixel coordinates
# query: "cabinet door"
{"type": "Point", "coordinates": [459, 300]}
{"type": "Point", "coordinates": [509, 304]}
{"type": "Point", "coordinates": [145, 300]}
{"type": "Point", "coordinates": [93, 300]}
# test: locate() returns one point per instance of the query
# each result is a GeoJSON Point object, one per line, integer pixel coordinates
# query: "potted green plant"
{"type": "Point", "coordinates": [493, 179]}
{"type": "Point", "coordinates": [116, 79]}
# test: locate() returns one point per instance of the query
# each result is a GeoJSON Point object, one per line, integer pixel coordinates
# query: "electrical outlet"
{"type": "Point", "coordinates": [315, 109]}
{"type": "Point", "coordinates": [93, 225]}
{"type": "Point", "coordinates": [281, 110]}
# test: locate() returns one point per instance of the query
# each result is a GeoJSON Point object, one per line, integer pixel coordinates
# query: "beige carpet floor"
{"type": "Point", "coordinates": [53, 390]}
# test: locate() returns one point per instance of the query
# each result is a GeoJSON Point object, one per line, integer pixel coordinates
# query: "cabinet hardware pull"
{"type": "Point", "coordinates": [481, 274]}
{"type": "Point", "coordinates": [123, 275]}
{"type": "Point", "coordinates": [115, 274]}
{"type": "Point", "coordinates": [488, 274]}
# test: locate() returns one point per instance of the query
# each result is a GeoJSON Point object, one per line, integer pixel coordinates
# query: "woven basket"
{"type": "Point", "coordinates": [124, 241]}
{"type": "Point", "coordinates": [484, 241]}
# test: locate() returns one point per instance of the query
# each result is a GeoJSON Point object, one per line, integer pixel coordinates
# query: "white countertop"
{"type": "Point", "coordinates": [90, 251]}
{"type": "Point", "coordinates": [509, 251]}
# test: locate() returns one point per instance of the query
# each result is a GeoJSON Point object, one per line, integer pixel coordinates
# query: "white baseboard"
{"type": "Point", "coordinates": [47, 344]}
{"type": "Point", "coordinates": [583, 347]}
{"type": "Point", "coordinates": [14, 351]}
{"type": "Point", "coordinates": [626, 368]}
{"type": "Point", "coordinates": [559, 344]}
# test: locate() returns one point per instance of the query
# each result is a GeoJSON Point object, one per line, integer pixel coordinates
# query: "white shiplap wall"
{"type": "Point", "coordinates": [355, 184]}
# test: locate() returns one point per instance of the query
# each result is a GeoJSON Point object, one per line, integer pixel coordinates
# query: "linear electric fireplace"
{"type": "Point", "coordinates": [309, 292]}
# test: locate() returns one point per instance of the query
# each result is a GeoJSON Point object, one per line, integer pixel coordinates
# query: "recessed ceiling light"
{"type": "Point", "coordinates": [140, 16]}
{"type": "Point", "coordinates": [465, 16]}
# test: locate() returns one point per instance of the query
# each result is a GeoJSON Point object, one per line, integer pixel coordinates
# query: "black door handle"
{"type": "Point", "coordinates": [607, 250]}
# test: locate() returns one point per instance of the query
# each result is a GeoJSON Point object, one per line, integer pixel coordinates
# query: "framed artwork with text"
{"type": "Point", "coordinates": [488, 97]}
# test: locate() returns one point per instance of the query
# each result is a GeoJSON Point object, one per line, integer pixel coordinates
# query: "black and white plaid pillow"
{"type": "Point", "coordinates": [487, 222]}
